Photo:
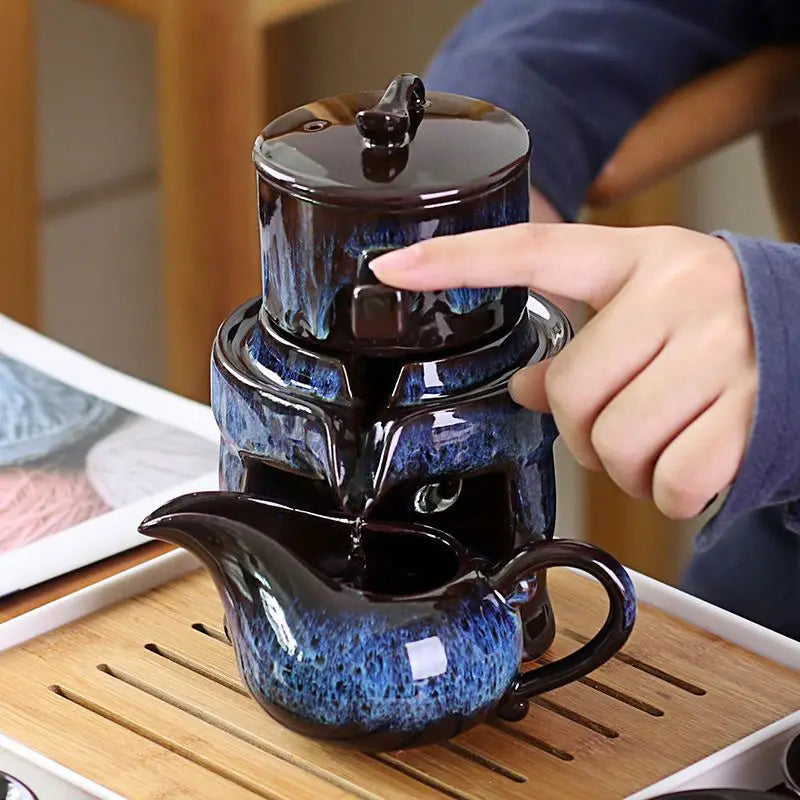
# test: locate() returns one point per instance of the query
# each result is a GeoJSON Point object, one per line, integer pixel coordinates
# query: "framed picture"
{"type": "Point", "coordinates": [86, 452]}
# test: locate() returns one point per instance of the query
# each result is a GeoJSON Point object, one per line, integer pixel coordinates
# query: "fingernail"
{"type": "Point", "coordinates": [393, 261]}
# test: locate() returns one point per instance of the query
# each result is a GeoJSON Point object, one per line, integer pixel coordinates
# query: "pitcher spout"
{"type": "Point", "coordinates": [189, 521]}
{"type": "Point", "coordinates": [220, 506]}
{"type": "Point", "coordinates": [247, 542]}
{"type": "Point", "coordinates": [209, 525]}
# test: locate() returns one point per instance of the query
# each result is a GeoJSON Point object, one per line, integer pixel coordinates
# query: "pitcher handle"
{"type": "Point", "coordinates": [510, 581]}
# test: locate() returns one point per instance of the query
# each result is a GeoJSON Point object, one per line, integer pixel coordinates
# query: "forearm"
{"type": "Point", "coordinates": [770, 473]}
{"type": "Point", "coordinates": [580, 73]}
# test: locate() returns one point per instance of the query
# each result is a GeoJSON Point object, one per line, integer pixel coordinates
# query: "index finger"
{"type": "Point", "coordinates": [589, 263]}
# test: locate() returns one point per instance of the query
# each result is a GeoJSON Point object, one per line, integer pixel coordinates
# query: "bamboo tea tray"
{"type": "Point", "coordinates": [144, 698]}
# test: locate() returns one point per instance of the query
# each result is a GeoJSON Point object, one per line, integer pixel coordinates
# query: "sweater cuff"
{"type": "Point", "coordinates": [560, 167]}
{"type": "Point", "coordinates": [770, 472]}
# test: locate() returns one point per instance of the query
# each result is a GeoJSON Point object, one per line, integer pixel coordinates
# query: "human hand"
{"type": "Point", "coordinates": [658, 388]}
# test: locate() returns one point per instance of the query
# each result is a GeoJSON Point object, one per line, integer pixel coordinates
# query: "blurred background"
{"type": "Point", "coordinates": [130, 142]}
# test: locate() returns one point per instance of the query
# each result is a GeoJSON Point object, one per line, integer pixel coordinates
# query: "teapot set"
{"type": "Point", "coordinates": [385, 520]}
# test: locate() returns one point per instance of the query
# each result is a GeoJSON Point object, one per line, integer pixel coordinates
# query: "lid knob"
{"type": "Point", "coordinates": [395, 119]}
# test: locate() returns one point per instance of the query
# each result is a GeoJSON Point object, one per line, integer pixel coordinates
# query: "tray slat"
{"type": "Point", "coordinates": [145, 698]}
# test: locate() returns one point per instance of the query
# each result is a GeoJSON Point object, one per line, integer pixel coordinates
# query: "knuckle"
{"type": "Point", "coordinates": [728, 336]}
{"type": "Point", "coordinates": [678, 277]}
{"type": "Point", "coordinates": [712, 268]}
{"type": "Point", "coordinates": [607, 443]}
{"type": "Point", "coordinates": [684, 260]}
{"type": "Point", "coordinates": [675, 495]}
{"type": "Point", "coordinates": [663, 241]}
{"type": "Point", "coordinates": [718, 336]}
{"type": "Point", "coordinates": [619, 453]}
{"type": "Point", "coordinates": [669, 232]}
{"type": "Point", "coordinates": [581, 451]}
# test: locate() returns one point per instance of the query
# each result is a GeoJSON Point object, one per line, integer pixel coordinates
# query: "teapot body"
{"type": "Point", "coordinates": [377, 635]}
{"type": "Point", "coordinates": [333, 191]}
{"type": "Point", "coordinates": [398, 674]}
{"type": "Point", "coordinates": [319, 292]}
{"type": "Point", "coordinates": [386, 515]}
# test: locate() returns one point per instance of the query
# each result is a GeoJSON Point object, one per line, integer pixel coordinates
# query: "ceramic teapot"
{"type": "Point", "coordinates": [380, 636]}
{"type": "Point", "coordinates": [338, 393]}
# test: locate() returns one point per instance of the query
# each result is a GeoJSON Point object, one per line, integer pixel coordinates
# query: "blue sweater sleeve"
{"type": "Point", "coordinates": [770, 473]}
{"type": "Point", "coordinates": [580, 73]}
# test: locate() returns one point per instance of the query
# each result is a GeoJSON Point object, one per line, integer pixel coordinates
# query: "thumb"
{"type": "Point", "coordinates": [527, 387]}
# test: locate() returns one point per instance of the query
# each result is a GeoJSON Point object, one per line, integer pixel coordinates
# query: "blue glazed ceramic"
{"type": "Point", "coordinates": [338, 394]}
{"type": "Point", "coordinates": [294, 427]}
{"type": "Point", "coordinates": [332, 192]}
{"type": "Point", "coordinates": [385, 521]}
{"type": "Point", "coordinates": [379, 636]}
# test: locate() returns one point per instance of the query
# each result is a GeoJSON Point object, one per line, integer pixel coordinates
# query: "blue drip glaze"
{"type": "Point", "coordinates": [491, 432]}
{"type": "Point", "coordinates": [299, 308]}
{"type": "Point", "coordinates": [374, 668]}
{"type": "Point", "coordinates": [474, 369]}
{"type": "Point", "coordinates": [535, 481]}
{"type": "Point", "coordinates": [513, 208]}
{"type": "Point", "coordinates": [533, 485]}
{"type": "Point", "coordinates": [629, 607]}
{"type": "Point", "coordinates": [523, 592]}
{"type": "Point", "coordinates": [396, 233]}
{"type": "Point", "coordinates": [463, 301]}
{"type": "Point", "coordinates": [285, 434]}
{"type": "Point", "coordinates": [323, 378]}
{"type": "Point", "coordinates": [345, 669]}
{"type": "Point", "coordinates": [388, 233]}
{"type": "Point", "coordinates": [315, 376]}
{"type": "Point", "coordinates": [231, 468]}
{"type": "Point", "coordinates": [301, 298]}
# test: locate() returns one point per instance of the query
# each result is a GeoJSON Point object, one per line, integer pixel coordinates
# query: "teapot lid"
{"type": "Point", "coordinates": [399, 148]}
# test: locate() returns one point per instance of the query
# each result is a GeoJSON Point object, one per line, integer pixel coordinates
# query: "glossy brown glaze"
{"type": "Point", "coordinates": [382, 438]}
{"type": "Point", "coordinates": [320, 291]}
{"type": "Point", "coordinates": [349, 177]}
{"type": "Point", "coordinates": [461, 147]}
